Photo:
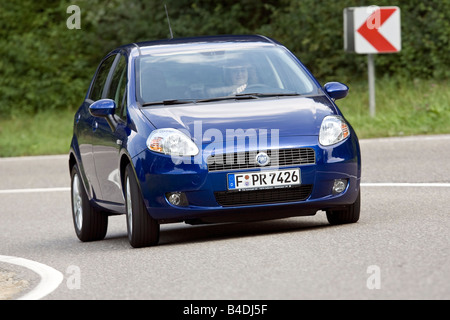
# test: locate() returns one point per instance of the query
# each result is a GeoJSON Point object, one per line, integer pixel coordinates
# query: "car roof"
{"type": "Point", "coordinates": [207, 39]}
{"type": "Point", "coordinates": [200, 40]}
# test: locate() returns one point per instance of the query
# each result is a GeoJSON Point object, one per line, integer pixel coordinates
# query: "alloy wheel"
{"type": "Point", "coordinates": [129, 207]}
{"type": "Point", "coordinates": [77, 202]}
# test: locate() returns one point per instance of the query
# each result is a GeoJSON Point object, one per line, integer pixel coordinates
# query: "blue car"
{"type": "Point", "coordinates": [209, 130]}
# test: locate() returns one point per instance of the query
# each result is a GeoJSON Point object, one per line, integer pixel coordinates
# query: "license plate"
{"type": "Point", "coordinates": [264, 179]}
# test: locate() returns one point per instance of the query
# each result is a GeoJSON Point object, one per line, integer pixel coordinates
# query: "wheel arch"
{"type": "Point", "coordinates": [72, 161]}
{"type": "Point", "coordinates": [124, 162]}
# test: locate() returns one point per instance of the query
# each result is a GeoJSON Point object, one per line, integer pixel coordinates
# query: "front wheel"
{"type": "Point", "coordinates": [90, 223]}
{"type": "Point", "coordinates": [143, 230]}
{"type": "Point", "coordinates": [346, 215]}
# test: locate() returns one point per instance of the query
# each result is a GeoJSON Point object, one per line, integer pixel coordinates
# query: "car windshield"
{"type": "Point", "coordinates": [219, 74]}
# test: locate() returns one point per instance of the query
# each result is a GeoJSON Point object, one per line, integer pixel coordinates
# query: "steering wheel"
{"type": "Point", "coordinates": [257, 88]}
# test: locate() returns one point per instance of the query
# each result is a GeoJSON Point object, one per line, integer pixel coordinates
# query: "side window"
{"type": "Point", "coordinates": [118, 86]}
{"type": "Point", "coordinates": [100, 79]}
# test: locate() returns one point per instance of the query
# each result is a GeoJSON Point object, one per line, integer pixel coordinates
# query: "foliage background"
{"type": "Point", "coordinates": [46, 66]}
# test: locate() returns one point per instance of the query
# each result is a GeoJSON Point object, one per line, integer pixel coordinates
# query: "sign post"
{"type": "Point", "coordinates": [371, 78]}
{"type": "Point", "coordinates": [372, 30]}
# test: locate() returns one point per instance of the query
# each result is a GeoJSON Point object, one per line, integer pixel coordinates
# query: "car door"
{"type": "Point", "coordinates": [85, 126]}
{"type": "Point", "coordinates": [107, 140]}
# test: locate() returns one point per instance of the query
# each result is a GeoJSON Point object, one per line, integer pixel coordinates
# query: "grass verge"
{"type": "Point", "coordinates": [45, 133]}
{"type": "Point", "coordinates": [403, 107]}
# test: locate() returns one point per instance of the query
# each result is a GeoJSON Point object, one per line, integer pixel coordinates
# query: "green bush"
{"type": "Point", "coordinates": [46, 66]}
{"type": "Point", "coordinates": [315, 34]}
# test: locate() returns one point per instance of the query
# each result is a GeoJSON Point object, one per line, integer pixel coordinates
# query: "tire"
{"type": "Point", "coordinates": [347, 215]}
{"type": "Point", "coordinates": [143, 230]}
{"type": "Point", "coordinates": [90, 224]}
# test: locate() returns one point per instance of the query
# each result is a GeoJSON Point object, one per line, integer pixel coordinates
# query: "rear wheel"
{"type": "Point", "coordinates": [143, 230]}
{"type": "Point", "coordinates": [90, 223]}
{"type": "Point", "coordinates": [346, 215]}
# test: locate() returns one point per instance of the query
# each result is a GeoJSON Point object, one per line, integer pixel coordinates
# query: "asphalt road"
{"type": "Point", "coordinates": [399, 249]}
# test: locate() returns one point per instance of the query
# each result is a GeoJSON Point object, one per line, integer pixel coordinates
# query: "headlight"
{"type": "Point", "coordinates": [172, 142]}
{"type": "Point", "coordinates": [333, 130]}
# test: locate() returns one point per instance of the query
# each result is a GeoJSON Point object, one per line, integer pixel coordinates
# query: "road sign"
{"type": "Point", "coordinates": [371, 30]}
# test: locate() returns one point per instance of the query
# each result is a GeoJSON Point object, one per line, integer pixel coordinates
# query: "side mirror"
{"type": "Point", "coordinates": [102, 108]}
{"type": "Point", "coordinates": [336, 90]}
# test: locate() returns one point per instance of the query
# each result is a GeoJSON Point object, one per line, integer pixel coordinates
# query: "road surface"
{"type": "Point", "coordinates": [399, 249]}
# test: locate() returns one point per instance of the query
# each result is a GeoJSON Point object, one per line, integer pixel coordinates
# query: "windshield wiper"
{"type": "Point", "coordinates": [238, 97]}
{"type": "Point", "coordinates": [168, 102]}
{"type": "Point", "coordinates": [244, 96]}
{"type": "Point", "coordinates": [266, 95]}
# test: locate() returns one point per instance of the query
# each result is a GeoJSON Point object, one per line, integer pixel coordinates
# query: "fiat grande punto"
{"type": "Point", "coordinates": [209, 130]}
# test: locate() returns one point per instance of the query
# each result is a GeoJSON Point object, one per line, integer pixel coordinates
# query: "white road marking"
{"type": "Point", "coordinates": [50, 278]}
{"type": "Point", "coordinates": [407, 184]}
{"type": "Point", "coordinates": [34, 190]}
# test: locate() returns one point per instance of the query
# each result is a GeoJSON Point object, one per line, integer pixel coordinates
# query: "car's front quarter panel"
{"type": "Point", "coordinates": [139, 128]}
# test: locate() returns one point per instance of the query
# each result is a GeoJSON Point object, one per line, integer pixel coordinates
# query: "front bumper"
{"type": "Point", "coordinates": [159, 174]}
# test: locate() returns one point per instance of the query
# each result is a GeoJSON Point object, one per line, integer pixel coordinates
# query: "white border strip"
{"type": "Point", "coordinates": [34, 190]}
{"type": "Point", "coordinates": [406, 184]}
{"type": "Point", "coordinates": [50, 278]}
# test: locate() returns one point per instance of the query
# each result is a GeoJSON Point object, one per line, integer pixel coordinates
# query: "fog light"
{"type": "Point", "coordinates": [177, 199]}
{"type": "Point", "coordinates": [339, 186]}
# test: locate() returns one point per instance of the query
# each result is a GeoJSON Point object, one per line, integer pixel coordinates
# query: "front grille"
{"type": "Point", "coordinates": [247, 159]}
{"type": "Point", "coordinates": [265, 196]}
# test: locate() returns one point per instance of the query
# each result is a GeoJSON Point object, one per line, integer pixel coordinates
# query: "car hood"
{"type": "Point", "coordinates": [290, 116]}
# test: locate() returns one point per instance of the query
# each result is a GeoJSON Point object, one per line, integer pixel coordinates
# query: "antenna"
{"type": "Point", "coordinates": [168, 21]}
